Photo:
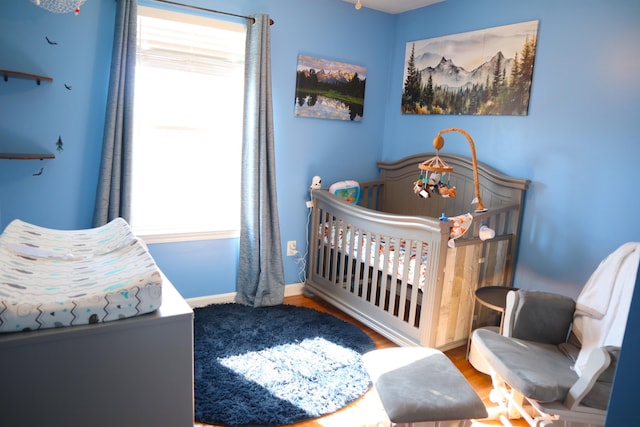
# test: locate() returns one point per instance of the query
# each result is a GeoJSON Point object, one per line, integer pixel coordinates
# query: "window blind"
{"type": "Point", "coordinates": [188, 42]}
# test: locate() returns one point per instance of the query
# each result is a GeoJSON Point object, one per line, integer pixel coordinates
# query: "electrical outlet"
{"type": "Point", "coordinates": [292, 249]}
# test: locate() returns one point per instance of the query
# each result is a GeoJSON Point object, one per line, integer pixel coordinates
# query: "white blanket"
{"type": "Point", "coordinates": [603, 305]}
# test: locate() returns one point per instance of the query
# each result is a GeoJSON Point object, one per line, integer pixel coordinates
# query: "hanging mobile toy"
{"type": "Point", "coordinates": [60, 6]}
{"type": "Point", "coordinates": [445, 189]}
{"type": "Point", "coordinates": [420, 187]}
{"type": "Point", "coordinates": [439, 181]}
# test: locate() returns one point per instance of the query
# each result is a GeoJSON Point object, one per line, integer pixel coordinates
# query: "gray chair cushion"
{"type": "Point", "coordinates": [539, 371]}
{"type": "Point", "coordinates": [421, 384]}
{"type": "Point", "coordinates": [542, 316]}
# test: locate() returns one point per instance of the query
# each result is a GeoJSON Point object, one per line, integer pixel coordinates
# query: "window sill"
{"type": "Point", "coordinates": [188, 237]}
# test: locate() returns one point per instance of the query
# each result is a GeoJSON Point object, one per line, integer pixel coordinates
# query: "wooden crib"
{"type": "Point", "coordinates": [387, 261]}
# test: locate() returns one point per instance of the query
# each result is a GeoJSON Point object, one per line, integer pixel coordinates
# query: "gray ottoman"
{"type": "Point", "coordinates": [418, 384]}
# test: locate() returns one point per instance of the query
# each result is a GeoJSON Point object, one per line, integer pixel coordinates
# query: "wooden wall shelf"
{"type": "Point", "coordinates": [19, 74]}
{"type": "Point", "coordinates": [26, 156]}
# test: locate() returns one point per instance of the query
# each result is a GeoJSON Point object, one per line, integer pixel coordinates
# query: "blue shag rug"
{"type": "Point", "coordinates": [273, 366]}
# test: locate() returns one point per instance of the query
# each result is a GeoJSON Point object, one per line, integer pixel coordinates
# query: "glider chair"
{"type": "Point", "coordinates": [554, 362]}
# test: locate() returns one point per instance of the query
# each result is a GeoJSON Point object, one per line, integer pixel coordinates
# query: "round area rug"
{"type": "Point", "coordinates": [275, 365]}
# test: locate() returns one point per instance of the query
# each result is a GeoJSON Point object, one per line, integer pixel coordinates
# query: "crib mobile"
{"type": "Point", "coordinates": [60, 6]}
{"type": "Point", "coordinates": [434, 183]}
{"type": "Point", "coordinates": [435, 173]}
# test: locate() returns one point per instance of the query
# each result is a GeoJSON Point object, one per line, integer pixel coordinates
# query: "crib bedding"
{"type": "Point", "coordinates": [53, 278]}
{"type": "Point", "coordinates": [376, 246]}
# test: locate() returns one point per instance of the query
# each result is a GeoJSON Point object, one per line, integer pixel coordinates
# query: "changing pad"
{"type": "Point", "coordinates": [53, 278]}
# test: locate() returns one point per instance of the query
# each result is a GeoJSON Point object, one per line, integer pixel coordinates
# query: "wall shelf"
{"type": "Point", "coordinates": [19, 74]}
{"type": "Point", "coordinates": [38, 78]}
{"type": "Point", "coordinates": [26, 156]}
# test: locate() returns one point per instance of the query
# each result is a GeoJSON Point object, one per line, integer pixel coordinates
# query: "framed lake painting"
{"type": "Point", "coordinates": [329, 89]}
{"type": "Point", "coordinates": [484, 72]}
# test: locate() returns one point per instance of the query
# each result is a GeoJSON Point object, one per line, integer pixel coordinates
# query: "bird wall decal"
{"type": "Point", "coordinates": [59, 144]}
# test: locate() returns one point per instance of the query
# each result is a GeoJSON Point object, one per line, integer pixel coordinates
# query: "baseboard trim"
{"type": "Point", "coordinates": [289, 290]}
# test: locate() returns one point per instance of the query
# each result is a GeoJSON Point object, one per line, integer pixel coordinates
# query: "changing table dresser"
{"type": "Point", "coordinates": [131, 372]}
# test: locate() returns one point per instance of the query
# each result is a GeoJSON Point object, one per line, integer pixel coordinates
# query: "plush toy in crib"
{"type": "Point", "coordinates": [434, 179]}
{"type": "Point", "coordinates": [420, 190]}
{"type": "Point", "coordinates": [316, 183]}
{"type": "Point", "coordinates": [447, 191]}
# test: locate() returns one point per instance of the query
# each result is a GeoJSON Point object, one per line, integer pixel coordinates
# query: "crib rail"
{"type": "Point", "coordinates": [371, 194]}
{"type": "Point", "coordinates": [357, 260]}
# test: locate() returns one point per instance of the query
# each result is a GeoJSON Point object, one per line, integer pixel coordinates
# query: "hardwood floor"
{"type": "Point", "coordinates": [368, 411]}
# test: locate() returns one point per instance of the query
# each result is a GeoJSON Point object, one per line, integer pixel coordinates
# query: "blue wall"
{"type": "Point", "coordinates": [578, 145]}
{"type": "Point", "coordinates": [64, 195]}
{"type": "Point", "coordinates": [33, 117]}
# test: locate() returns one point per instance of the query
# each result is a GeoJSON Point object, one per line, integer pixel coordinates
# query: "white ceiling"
{"type": "Point", "coordinates": [394, 6]}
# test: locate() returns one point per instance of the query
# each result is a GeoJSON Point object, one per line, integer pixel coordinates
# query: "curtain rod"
{"type": "Point", "coordinates": [212, 10]}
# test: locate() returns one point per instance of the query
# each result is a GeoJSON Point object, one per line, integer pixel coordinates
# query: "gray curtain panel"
{"type": "Point", "coordinates": [260, 268]}
{"type": "Point", "coordinates": [113, 197]}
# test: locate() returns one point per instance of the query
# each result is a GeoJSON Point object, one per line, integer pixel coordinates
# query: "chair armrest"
{"type": "Point", "coordinates": [542, 317]}
{"type": "Point", "coordinates": [593, 388]}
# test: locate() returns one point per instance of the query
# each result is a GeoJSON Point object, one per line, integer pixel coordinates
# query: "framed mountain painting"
{"type": "Point", "coordinates": [484, 72]}
{"type": "Point", "coordinates": [329, 89]}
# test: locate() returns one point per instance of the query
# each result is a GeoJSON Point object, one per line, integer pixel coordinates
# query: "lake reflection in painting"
{"type": "Point", "coordinates": [326, 108]}
{"type": "Point", "coordinates": [329, 89]}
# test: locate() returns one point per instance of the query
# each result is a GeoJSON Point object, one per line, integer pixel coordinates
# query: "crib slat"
{"type": "Point", "coordinates": [326, 245]}
{"type": "Point", "coordinates": [373, 268]}
{"type": "Point", "coordinates": [326, 264]}
{"type": "Point", "coordinates": [341, 254]}
{"type": "Point", "coordinates": [334, 242]}
{"type": "Point", "coordinates": [358, 275]}
{"type": "Point", "coordinates": [318, 245]}
{"type": "Point", "coordinates": [404, 282]}
{"type": "Point", "coordinates": [363, 249]}
{"type": "Point", "coordinates": [414, 318]}
{"type": "Point", "coordinates": [385, 281]}
{"type": "Point", "coordinates": [348, 259]}
{"type": "Point", "coordinates": [370, 193]}
{"type": "Point", "coordinates": [363, 246]}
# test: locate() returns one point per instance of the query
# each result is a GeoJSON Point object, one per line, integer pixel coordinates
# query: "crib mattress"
{"type": "Point", "coordinates": [378, 244]}
{"type": "Point", "coordinates": [54, 278]}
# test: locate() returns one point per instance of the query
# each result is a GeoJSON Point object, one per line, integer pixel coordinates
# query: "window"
{"type": "Point", "coordinates": [189, 92]}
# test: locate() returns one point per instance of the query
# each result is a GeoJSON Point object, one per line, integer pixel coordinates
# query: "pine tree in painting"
{"type": "Point", "coordinates": [412, 86]}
